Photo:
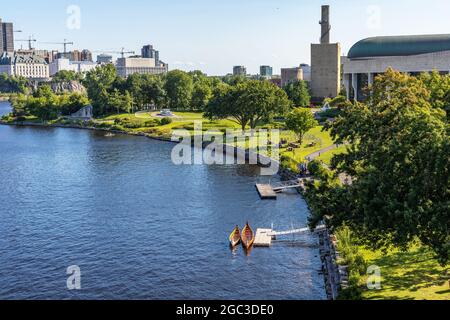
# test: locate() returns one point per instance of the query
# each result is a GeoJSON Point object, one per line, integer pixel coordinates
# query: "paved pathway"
{"type": "Point", "coordinates": [317, 154]}
{"type": "Point", "coordinates": [343, 177]}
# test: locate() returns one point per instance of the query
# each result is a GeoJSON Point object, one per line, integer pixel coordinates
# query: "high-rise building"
{"type": "Point", "coordinates": [239, 71]}
{"type": "Point", "coordinates": [149, 52]}
{"type": "Point", "coordinates": [76, 55]}
{"type": "Point", "coordinates": [86, 55]}
{"type": "Point", "coordinates": [6, 37]}
{"type": "Point", "coordinates": [266, 71]}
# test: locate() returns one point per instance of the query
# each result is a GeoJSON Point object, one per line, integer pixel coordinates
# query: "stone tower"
{"type": "Point", "coordinates": [325, 63]}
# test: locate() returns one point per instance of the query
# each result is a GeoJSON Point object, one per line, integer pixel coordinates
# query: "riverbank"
{"type": "Point", "coordinates": [327, 267]}
{"type": "Point", "coordinates": [98, 202]}
{"type": "Point", "coordinates": [236, 152]}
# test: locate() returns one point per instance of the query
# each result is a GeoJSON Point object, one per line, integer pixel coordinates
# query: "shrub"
{"type": "Point", "coordinates": [353, 258]}
{"type": "Point", "coordinates": [166, 120]}
{"type": "Point", "coordinates": [152, 123]}
{"type": "Point", "coordinates": [317, 169]}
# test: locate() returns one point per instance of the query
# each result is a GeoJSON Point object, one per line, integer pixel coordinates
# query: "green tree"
{"type": "Point", "coordinates": [44, 91]}
{"type": "Point", "coordinates": [298, 93]}
{"type": "Point", "coordinates": [439, 87]}
{"type": "Point", "coordinates": [300, 120]}
{"type": "Point", "coordinates": [202, 93]}
{"type": "Point", "coordinates": [179, 87]}
{"type": "Point", "coordinates": [99, 84]}
{"type": "Point", "coordinates": [399, 161]}
{"type": "Point", "coordinates": [11, 84]}
{"type": "Point", "coordinates": [71, 103]}
{"type": "Point", "coordinates": [248, 103]}
{"type": "Point", "coordinates": [121, 102]}
{"type": "Point", "coordinates": [67, 76]}
{"type": "Point", "coordinates": [153, 91]}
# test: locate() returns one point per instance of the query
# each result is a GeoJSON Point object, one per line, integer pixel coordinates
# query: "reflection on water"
{"type": "Point", "coordinates": [138, 226]}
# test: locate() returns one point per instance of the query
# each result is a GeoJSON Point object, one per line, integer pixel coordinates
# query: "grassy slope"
{"type": "Point", "coordinates": [322, 140]}
{"type": "Point", "coordinates": [409, 275]}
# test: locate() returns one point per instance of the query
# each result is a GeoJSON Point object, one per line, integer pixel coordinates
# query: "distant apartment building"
{"type": "Point", "coordinates": [266, 72]}
{"type": "Point", "coordinates": [128, 66]}
{"type": "Point", "coordinates": [239, 71]}
{"type": "Point", "coordinates": [29, 66]}
{"type": "Point", "coordinates": [104, 59]}
{"type": "Point", "coordinates": [76, 55]}
{"type": "Point", "coordinates": [65, 64]}
{"type": "Point", "coordinates": [289, 75]}
{"type": "Point", "coordinates": [6, 37]}
{"type": "Point", "coordinates": [148, 51]}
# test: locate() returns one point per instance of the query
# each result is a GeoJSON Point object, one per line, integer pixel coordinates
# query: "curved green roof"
{"type": "Point", "coordinates": [400, 46]}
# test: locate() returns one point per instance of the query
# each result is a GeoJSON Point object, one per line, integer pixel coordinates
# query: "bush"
{"type": "Point", "coordinates": [166, 121]}
{"type": "Point", "coordinates": [317, 169]}
{"type": "Point", "coordinates": [102, 125]}
{"type": "Point", "coordinates": [152, 123]}
{"type": "Point", "coordinates": [353, 258]}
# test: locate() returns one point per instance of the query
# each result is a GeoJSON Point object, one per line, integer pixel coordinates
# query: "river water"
{"type": "Point", "coordinates": [138, 226]}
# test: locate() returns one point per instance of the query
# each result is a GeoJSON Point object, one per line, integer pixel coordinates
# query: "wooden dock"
{"type": "Point", "coordinates": [266, 191]}
{"type": "Point", "coordinates": [263, 238]}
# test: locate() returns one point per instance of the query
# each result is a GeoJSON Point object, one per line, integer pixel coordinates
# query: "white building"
{"type": "Point", "coordinates": [129, 66]}
{"type": "Point", "coordinates": [67, 65]}
{"type": "Point", "coordinates": [410, 54]}
{"type": "Point", "coordinates": [21, 65]}
{"type": "Point", "coordinates": [306, 68]}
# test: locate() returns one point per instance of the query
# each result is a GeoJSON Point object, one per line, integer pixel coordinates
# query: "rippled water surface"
{"type": "Point", "coordinates": [138, 226]}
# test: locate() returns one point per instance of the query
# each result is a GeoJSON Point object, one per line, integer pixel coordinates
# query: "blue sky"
{"type": "Point", "coordinates": [213, 35]}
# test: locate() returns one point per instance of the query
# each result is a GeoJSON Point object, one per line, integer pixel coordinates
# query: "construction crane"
{"type": "Point", "coordinates": [30, 40]}
{"type": "Point", "coordinates": [65, 44]}
{"type": "Point", "coordinates": [122, 52]}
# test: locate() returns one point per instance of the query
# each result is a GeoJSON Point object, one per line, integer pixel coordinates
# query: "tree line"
{"type": "Point", "coordinates": [176, 90]}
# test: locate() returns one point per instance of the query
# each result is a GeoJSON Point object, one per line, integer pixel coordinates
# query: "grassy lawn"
{"type": "Point", "coordinates": [412, 275]}
{"type": "Point", "coordinates": [328, 155]}
{"type": "Point", "coordinates": [316, 137]}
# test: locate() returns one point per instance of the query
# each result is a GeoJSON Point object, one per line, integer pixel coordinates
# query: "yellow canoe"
{"type": "Point", "coordinates": [235, 237]}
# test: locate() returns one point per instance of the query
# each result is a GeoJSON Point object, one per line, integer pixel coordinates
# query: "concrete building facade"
{"type": "Point", "coordinates": [6, 37]}
{"type": "Point", "coordinates": [289, 75]}
{"type": "Point", "coordinates": [409, 54]}
{"type": "Point", "coordinates": [132, 65]}
{"type": "Point", "coordinates": [306, 69]}
{"type": "Point", "coordinates": [325, 63]}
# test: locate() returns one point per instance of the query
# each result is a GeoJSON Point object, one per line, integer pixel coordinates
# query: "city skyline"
{"type": "Point", "coordinates": [202, 35]}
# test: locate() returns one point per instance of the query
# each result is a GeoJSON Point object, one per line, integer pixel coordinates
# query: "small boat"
{"type": "Point", "coordinates": [247, 237]}
{"type": "Point", "coordinates": [109, 134]}
{"type": "Point", "coordinates": [235, 237]}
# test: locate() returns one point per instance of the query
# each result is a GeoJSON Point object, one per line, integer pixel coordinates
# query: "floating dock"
{"type": "Point", "coordinates": [264, 237]}
{"type": "Point", "coordinates": [266, 192]}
